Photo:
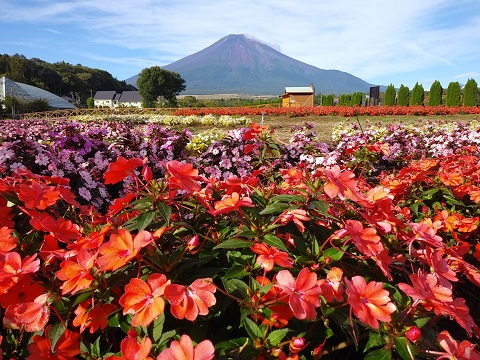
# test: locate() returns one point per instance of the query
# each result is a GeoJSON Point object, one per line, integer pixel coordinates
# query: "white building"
{"type": "Point", "coordinates": [112, 99]}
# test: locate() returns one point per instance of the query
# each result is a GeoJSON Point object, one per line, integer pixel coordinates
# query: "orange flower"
{"type": "Point", "coordinates": [7, 241]}
{"type": "Point", "coordinates": [366, 239]}
{"type": "Point", "coordinates": [254, 131]}
{"type": "Point", "coordinates": [32, 316]}
{"type": "Point", "coordinates": [132, 349]}
{"type": "Point", "coordinates": [38, 196]}
{"type": "Point", "coordinates": [183, 176]}
{"type": "Point", "coordinates": [369, 302]}
{"type": "Point", "coordinates": [190, 301]}
{"type": "Point", "coordinates": [67, 346]}
{"type": "Point", "coordinates": [270, 255]}
{"type": "Point", "coordinates": [295, 215]}
{"type": "Point", "coordinates": [121, 248]}
{"type": "Point", "coordinates": [455, 350]}
{"type": "Point", "coordinates": [144, 299]}
{"type": "Point", "coordinates": [184, 350]}
{"type": "Point", "coordinates": [332, 288]}
{"type": "Point", "coordinates": [63, 230]}
{"type": "Point", "coordinates": [340, 183]}
{"type": "Point", "coordinates": [302, 294]}
{"type": "Point", "coordinates": [23, 291]}
{"type": "Point", "coordinates": [12, 268]}
{"type": "Point", "coordinates": [120, 169]}
{"type": "Point", "coordinates": [76, 274]}
{"type": "Point", "coordinates": [450, 178]}
{"type": "Point", "coordinates": [93, 318]}
{"type": "Point", "coordinates": [230, 203]}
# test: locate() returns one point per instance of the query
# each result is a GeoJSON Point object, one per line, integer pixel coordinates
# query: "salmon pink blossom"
{"type": "Point", "coordinates": [184, 350]}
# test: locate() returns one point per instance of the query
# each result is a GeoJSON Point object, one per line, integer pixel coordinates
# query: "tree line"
{"type": "Point", "coordinates": [63, 79]}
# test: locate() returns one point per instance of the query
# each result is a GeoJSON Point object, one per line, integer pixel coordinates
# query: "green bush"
{"type": "Point", "coordinates": [435, 98]}
{"type": "Point", "coordinates": [453, 94]}
{"type": "Point", "coordinates": [403, 97]}
{"type": "Point", "coordinates": [470, 93]}
{"type": "Point", "coordinates": [390, 94]}
{"type": "Point", "coordinates": [418, 94]}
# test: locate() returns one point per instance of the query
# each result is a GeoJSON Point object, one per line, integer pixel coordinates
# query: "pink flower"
{"type": "Point", "coordinates": [184, 350]}
{"type": "Point", "coordinates": [303, 293]}
{"type": "Point", "coordinates": [370, 302]}
{"type": "Point", "coordinates": [268, 256]}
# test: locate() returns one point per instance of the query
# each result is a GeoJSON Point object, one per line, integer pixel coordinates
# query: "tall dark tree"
{"type": "Point", "coordinates": [390, 94]}
{"type": "Point", "coordinates": [453, 94]}
{"type": "Point", "coordinates": [435, 98]}
{"type": "Point", "coordinates": [403, 98]}
{"type": "Point", "coordinates": [155, 82]}
{"type": "Point", "coordinates": [418, 94]}
{"type": "Point", "coordinates": [470, 93]}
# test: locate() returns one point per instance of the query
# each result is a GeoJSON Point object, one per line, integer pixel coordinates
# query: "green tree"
{"type": "Point", "coordinates": [327, 100]}
{"type": "Point", "coordinates": [470, 93]}
{"type": "Point", "coordinates": [453, 94]}
{"type": "Point", "coordinates": [418, 94]}
{"type": "Point", "coordinates": [90, 103]}
{"type": "Point", "coordinates": [155, 82]}
{"type": "Point", "coordinates": [403, 98]}
{"type": "Point", "coordinates": [356, 99]}
{"type": "Point", "coordinates": [390, 94]}
{"type": "Point", "coordinates": [435, 98]}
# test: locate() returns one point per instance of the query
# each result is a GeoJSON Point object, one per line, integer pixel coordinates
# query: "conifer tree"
{"type": "Point", "coordinates": [453, 94]}
{"type": "Point", "coordinates": [390, 94]}
{"type": "Point", "coordinates": [470, 93]}
{"type": "Point", "coordinates": [418, 94]}
{"type": "Point", "coordinates": [403, 95]}
{"type": "Point", "coordinates": [435, 98]}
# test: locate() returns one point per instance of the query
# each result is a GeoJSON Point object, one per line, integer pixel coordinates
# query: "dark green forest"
{"type": "Point", "coordinates": [63, 79]}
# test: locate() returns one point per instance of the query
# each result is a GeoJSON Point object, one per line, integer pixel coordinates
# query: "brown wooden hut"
{"type": "Point", "coordinates": [296, 96]}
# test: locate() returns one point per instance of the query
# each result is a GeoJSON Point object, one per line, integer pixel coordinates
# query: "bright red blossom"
{"type": "Point", "coordinates": [370, 302]}
{"type": "Point", "coordinates": [76, 274]}
{"type": "Point", "coordinates": [93, 318]}
{"type": "Point", "coordinates": [268, 256]}
{"type": "Point", "coordinates": [190, 301]}
{"type": "Point", "coordinates": [183, 176]}
{"type": "Point", "coordinates": [340, 183]}
{"type": "Point", "coordinates": [67, 346]}
{"type": "Point", "coordinates": [120, 169]}
{"type": "Point", "coordinates": [38, 196]}
{"type": "Point", "coordinates": [230, 203]}
{"type": "Point", "coordinates": [144, 299]}
{"type": "Point", "coordinates": [302, 294]}
{"type": "Point", "coordinates": [132, 349]}
{"type": "Point", "coordinates": [184, 350]}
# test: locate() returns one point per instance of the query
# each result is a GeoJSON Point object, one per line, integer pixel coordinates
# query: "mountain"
{"type": "Point", "coordinates": [240, 64]}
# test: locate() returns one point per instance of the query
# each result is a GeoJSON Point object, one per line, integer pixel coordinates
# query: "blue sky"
{"type": "Point", "coordinates": [382, 42]}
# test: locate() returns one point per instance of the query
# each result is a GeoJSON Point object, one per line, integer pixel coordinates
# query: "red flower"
{"type": "Point", "coordinates": [63, 230]}
{"type": "Point", "coordinates": [144, 299]}
{"type": "Point", "coordinates": [183, 176]}
{"type": "Point", "coordinates": [67, 346]}
{"type": "Point", "coordinates": [340, 183]}
{"type": "Point", "coordinates": [38, 196]}
{"type": "Point", "coordinates": [120, 169]}
{"type": "Point", "coordinates": [295, 215]}
{"type": "Point", "coordinates": [303, 293]}
{"type": "Point", "coordinates": [332, 288]}
{"type": "Point", "coordinates": [184, 350]}
{"type": "Point", "coordinates": [12, 268]}
{"type": "Point", "coordinates": [476, 253]}
{"type": "Point", "coordinates": [32, 316]}
{"type": "Point", "coordinates": [121, 248]}
{"type": "Point", "coordinates": [76, 274]}
{"type": "Point", "coordinates": [426, 289]}
{"type": "Point", "coordinates": [23, 291]}
{"type": "Point", "coordinates": [93, 318]}
{"type": "Point", "coordinates": [454, 350]}
{"type": "Point", "coordinates": [230, 203]}
{"type": "Point", "coordinates": [6, 214]}
{"type": "Point", "coordinates": [369, 302]}
{"type": "Point", "coordinates": [270, 255]}
{"type": "Point", "coordinates": [132, 349]}
{"type": "Point", "coordinates": [7, 241]}
{"type": "Point", "coordinates": [254, 131]}
{"type": "Point", "coordinates": [190, 301]}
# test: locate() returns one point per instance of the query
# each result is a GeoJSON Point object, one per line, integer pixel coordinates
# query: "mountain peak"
{"type": "Point", "coordinates": [242, 64]}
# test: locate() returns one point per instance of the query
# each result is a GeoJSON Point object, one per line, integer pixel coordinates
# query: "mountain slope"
{"type": "Point", "coordinates": [240, 64]}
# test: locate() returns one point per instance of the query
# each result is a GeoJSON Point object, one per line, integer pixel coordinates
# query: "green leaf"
{"type": "Point", "coordinates": [236, 271]}
{"type": "Point", "coordinates": [113, 321]}
{"type": "Point", "coordinates": [276, 336]}
{"type": "Point", "coordinates": [287, 198]}
{"type": "Point", "coordinates": [322, 208]}
{"type": "Point", "coordinates": [236, 287]}
{"type": "Point", "coordinates": [421, 322]}
{"type": "Point", "coordinates": [144, 220]}
{"type": "Point", "coordinates": [427, 195]}
{"type": "Point", "coordinates": [233, 344]}
{"type": "Point", "coordinates": [252, 329]}
{"type": "Point", "coordinates": [56, 330]}
{"type": "Point", "coordinates": [374, 339]}
{"type": "Point", "coordinates": [333, 253]}
{"type": "Point", "coordinates": [165, 211]}
{"type": "Point", "coordinates": [272, 240]}
{"type": "Point", "coordinates": [401, 346]}
{"type": "Point", "coordinates": [380, 354]}
{"type": "Point", "coordinates": [275, 208]}
{"type": "Point", "coordinates": [245, 231]}
{"type": "Point", "coordinates": [157, 329]}
{"type": "Point", "coordinates": [233, 243]}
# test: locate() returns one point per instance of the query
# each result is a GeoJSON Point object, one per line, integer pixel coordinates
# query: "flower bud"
{"type": "Point", "coordinates": [413, 333]}
{"type": "Point", "coordinates": [147, 173]}
{"type": "Point", "coordinates": [297, 344]}
{"type": "Point", "coordinates": [193, 242]}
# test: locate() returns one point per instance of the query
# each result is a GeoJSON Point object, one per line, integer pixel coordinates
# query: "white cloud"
{"type": "Point", "coordinates": [467, 75]}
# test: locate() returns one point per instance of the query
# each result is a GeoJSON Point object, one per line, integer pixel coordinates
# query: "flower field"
{"type": "Point", "coordinates": [128, 239]}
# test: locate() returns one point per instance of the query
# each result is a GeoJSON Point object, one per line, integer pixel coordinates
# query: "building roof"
{"type": "Point", "coordinates": [298, 89]}
{"type": "Point", "coordinates": [130, 96]}
{"type": "Point", "coordinates": [28, 92]}
{"type": "Point", "coordinates": [105, 95]}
